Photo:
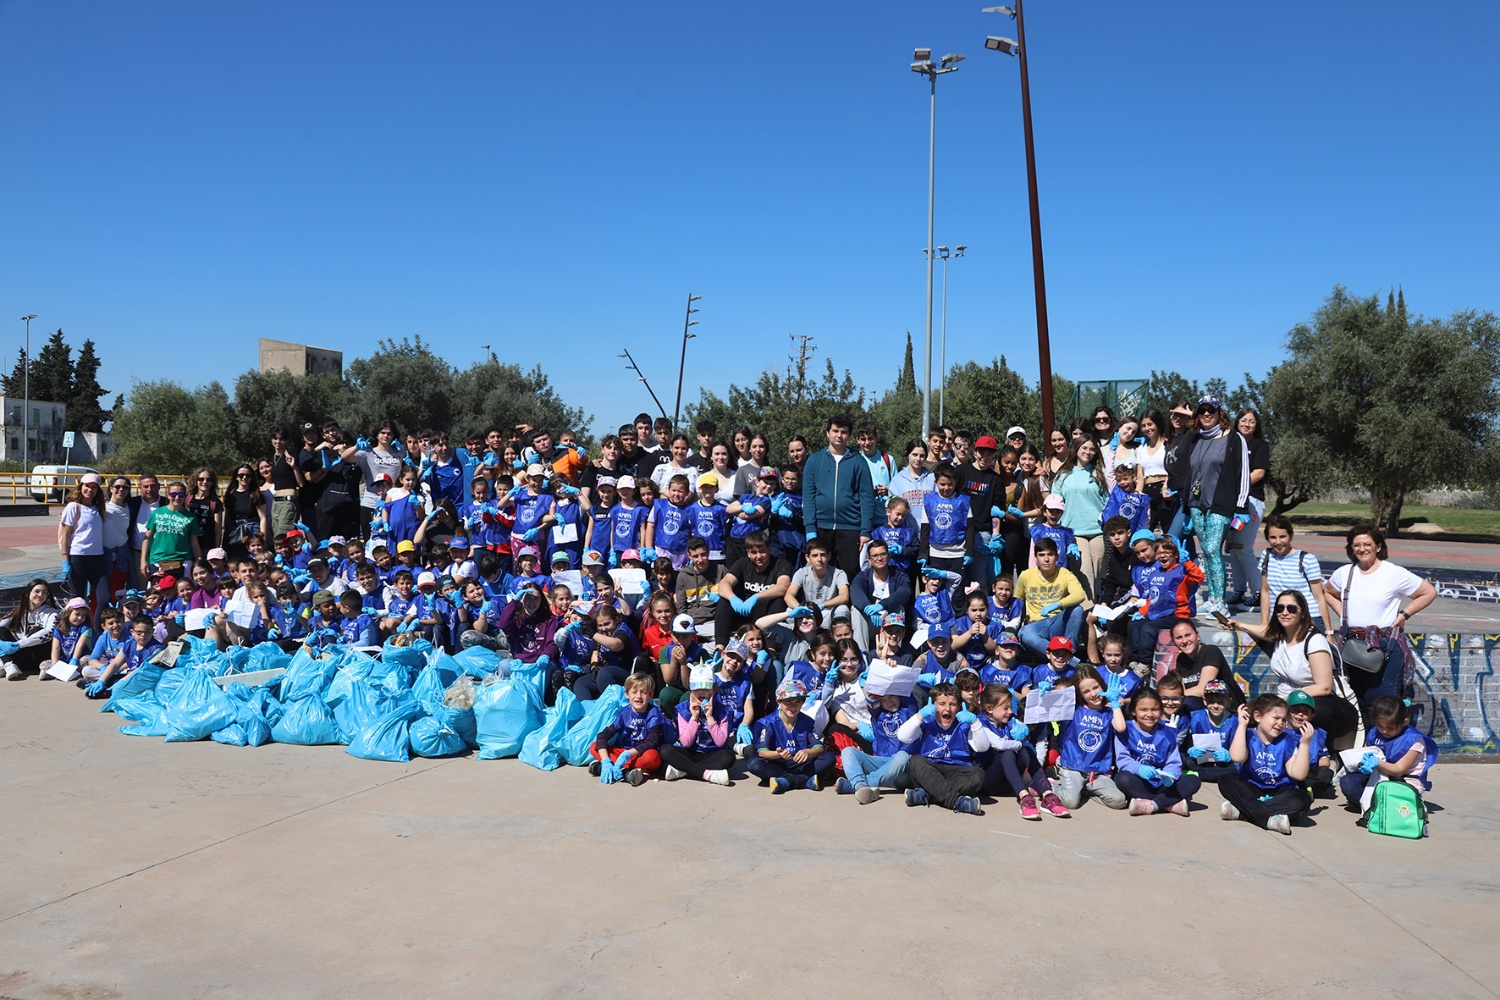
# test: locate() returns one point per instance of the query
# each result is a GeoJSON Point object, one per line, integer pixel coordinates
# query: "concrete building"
{"type": "Point", "coordinates": [46, 425]}
{"type": "Point", "coordinates": [299, 359]}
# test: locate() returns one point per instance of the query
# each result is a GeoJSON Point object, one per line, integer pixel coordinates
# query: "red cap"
{"type": "Point", "coordinates": [167, 582]}
{"type": "Point", "coordinates": [985, 441]}
{"type": "Point", "coordinates": [1060, 642]}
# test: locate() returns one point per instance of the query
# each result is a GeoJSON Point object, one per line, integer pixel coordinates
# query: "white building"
{"type": "Point", "coordinates": [45, 429]}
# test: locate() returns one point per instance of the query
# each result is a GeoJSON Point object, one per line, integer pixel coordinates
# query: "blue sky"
{"type": "Point", "coordinates": [183, 178]}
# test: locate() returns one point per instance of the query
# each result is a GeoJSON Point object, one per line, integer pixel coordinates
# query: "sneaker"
{"type": "Point", "coordinates": [1180, 808]}
{"type": "Point", "coordinates": [779, 785]}
{"type": "Point", "coordinates": [594, 768]}
{"type": "Point", "coordinates": [967, 804]}
{"type": "Point", "coordinates": [742, 750]}
{"type": "Point", "coordinates": [1280, 824]}
{"type": "Point", "coordinates": [917, 797]}
{"type": "Point", "coordinates": [1054, 805]}
{"type": "Point", "coordinates": [672, 774]}
{"type": "Point", "coordinates": [716, 777]}
{"type": "Point", "coordinates": [1028, 807]}
{"type": "Point", "coordinates": [44, 676]}
{"type": "Point", "coordinates": [864, 795]}
{"type": "Point", "coordinates": [843, 786]}
{"type": "Point", "coordinates": [813, 784]}
{"type": "Point", "coordinates": [636, 777]}
{"type": "Point", "coordinates": [13, 672]}
{"type": "Point", "coordinates": [1142, 807]}
{"type": "Point", "coordinates": [1228, 810]}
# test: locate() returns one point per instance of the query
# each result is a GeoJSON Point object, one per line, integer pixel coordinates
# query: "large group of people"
{"type": "Point", "coordinates": [839, 615]}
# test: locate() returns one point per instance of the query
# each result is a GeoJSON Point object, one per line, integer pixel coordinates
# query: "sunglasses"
{"type": "Point", "coordinates": [242, 475]}
{"type": "Point", "coordinates": [204, 479]}
{"type": "Point", "coordinates": [177, 495]}
{"type": "Point", "coordinates": [1101, 420]}
{"type": "Point", "coordinates": [1288, 609]}
{"type": "Point", "coordinates": [119, 486]}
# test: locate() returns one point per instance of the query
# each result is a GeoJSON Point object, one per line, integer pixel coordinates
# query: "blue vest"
{"type": "Point", "coordinates": [1265, 763]}
{"type": "Point", "coordinates": [945, 746]}
{"type": "Point", "coordinates": [1086, 742]}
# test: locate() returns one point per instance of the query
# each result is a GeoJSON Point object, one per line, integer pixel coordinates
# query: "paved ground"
{"type": "Point", "coordinates": [135, 868]}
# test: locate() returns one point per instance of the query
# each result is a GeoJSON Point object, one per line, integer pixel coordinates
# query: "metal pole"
{"type": "Point", "coordinates": [1043, 340]}
{"type": "Point", "coordinates": [642, 378]}
{"type": "Point", "coordinates": [943, 351]}
{"type": "Point", "coordinates": [26, 406]}
{"type": "Point", "coordinates": [687, 322]}
{"type": "Point", "coordinates": [931, 182]}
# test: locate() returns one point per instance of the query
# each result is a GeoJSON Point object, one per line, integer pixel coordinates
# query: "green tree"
{"type": "Point", "coordinates": [15, 382]}
{"type": "Point", "coordinates": [265, 401]}
{"type": "Point", "coordinates": [402, 382]}
{"type": "Point", "coordinates": [52, 371]}
{"type": "Point", "coordinates": [1396, 404]}
{"type": "Point", "coordinates": [897, 415]}
{"type": "Point", "coordinates": [164, 428]}
{"type": "Point", "coordinates": [491, 393]}
{"type": "Point", "coordinates": [84, 411]}
{"type": "Point", "coordinates": [988, 399]}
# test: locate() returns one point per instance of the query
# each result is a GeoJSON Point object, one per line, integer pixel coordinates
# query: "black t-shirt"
{"type": "Point", "coordinates": [749, 580]}
{"type": "Point", "coordinates": [589, 480]}
{"type": "Point", "coordinates": [283, 477]}
{"type": "Point", "coordinates": [648, 463]}
{"type": "Point", "coordinates": [984, 489]}
{"type": "Point", "coordinates": [1260, 458]}
{"type": "Point", "coordinates": [240, 506]}
{"type": "Point", "coordinates": [1191, 670]}
{"type": "Point", "coordinates": [311, 461]}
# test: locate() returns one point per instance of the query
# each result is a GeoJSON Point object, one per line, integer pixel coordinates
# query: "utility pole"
{"type": "Point", "coordinates": [687, 323]}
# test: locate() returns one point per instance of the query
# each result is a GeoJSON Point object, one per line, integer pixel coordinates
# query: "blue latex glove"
{"type": "Point", "coordinates": [832, 676]}
{"type": "Point", "coordinates": [67, 568]}
{"type": "Point", "coordinates": [1167, 778]}
{"type": "Point", "coordinates": [1115, 701]}
{"type": "Point", "coordinates": [1221, 755]}
{"type": "Point", "coordinates": [362, 443]}
{"type": "Point", "coordinates": [1044, 687]}
{"type": "Point", "coordinates": [1015, 511]}
{"type": "Point", "coordinates": [1149, 773]}
{"type": "Point", "coordinates": [713, 597]}
{"type": "Point", "coordinates": [1018, 730]}
{"type": "Point", "coordinates": [968, 560]}
{"type": "Point", "coordinates": [273, 633]}
{"type": "Point", "coordinates": [1196, 753]}
{"type": "Point", "coordinates": [1137, 617]}
{"type": "Point", "coordinates": [996, 512]}
{"type": "Point", "coordinates": [748, 510]}
{"type": "Point", "coordinates": [95, 689]}
{"type": "Point", "coordinates": [965, 717]}
{"type": "Point", "coordinates": [744, 735]}
{"type": "Point", "coordinates": [873, 609]}
{"type": "Point", "coordinates": [648, 554]}
{"type": "Point", "coordinates": [614, 558]}
{"type": "Point", "coordinates": [866, 732]}
{"type": "Point", "coordinates": [812, 533]}
{"type": "Point", "coordinates": [1074, 553]}
{"type": "Point", "coordinates": [515, 491]}
{"type": "Point", "coordinates": [544, 661]}
{"type": "Point", "coordinates": [996, 544]}
{"type": "Point", "coordinates": [1187, 527]}
{"type": "Point", "coordinates": [928, 711]}
{"type": "Point", "coordinates": [800, 611]}
{"type": "Point", "coordinates": [894, 548]}
{"type": "Point", "coordinates": [568, 490]}
{"type": "Point", "coordinates": [180, 618]}
{"type": "Point", "coordinates": [302, 527]}
{"type": "Point", "coordinates": [530, 535]}
{"type": "Point", "coordinates": [1368, 763]}
{"type": "Point", "coordinates": [762, 658]}
{"type": "Point", "coordinates": [609, 772]}
{"type": "Point", "coordinates": [927, 680]}
{"type": "Point", "coordinates": [1050, 608]}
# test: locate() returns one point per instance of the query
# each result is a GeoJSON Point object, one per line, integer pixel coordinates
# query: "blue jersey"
{"type": "Point", "coordinates": [1014, 677]}
{"type": "Point", "coordinates": [600, 519]}
{"type": "Point", "coordinates": [1085, 743]}
{"type": "Point", "coordinates": [529, 513]}
{"type": "Point", "coordinates": [625, 526]}
{"type": "Point", "coordinates": [107, 646]}
{"type": "Point", "coordinates": [672, 526]}
{"type": "Point", "coordinates": [1129, 680]}
{"type": "Point", "coordinates": [703, 741]}
{"type": "Point", "coordinates": [928, 663]}
{"type": "Point", "coordinates": [1265, 763]}
{"type": "Point", "coordinates": [809, 676]}
{"type": "Point", "coordinates": [1062, 536]}
{"type": "Point", "coordinates": [1395, 748]}
{"type": "Point", "coordinates": [1316, 752]}
{"type": "Point", "coordinates": [1011, 611]}
{"type": "Point", "coordinates": [569, 515]}
{"type": "Point", "coordinates": [445, 481]}
{"type": "Point", "coordinates": [904, 538]}
{"type": "Point", "coordinates": [885, 724]}
{"type": "Point", "coordinates": [575, 646]}
{"type": "Point", "coordinates": [404, 516]}
{"type": "Point", "coordinates": [739, 527]}
{"type": "Point", "coordinates": [772, 733]}
{"type": "Point", "coordinates": [1133, 507]}
{"type": "Point", "coordinates": [632, 727]}
{"type": "Point", "coordinates": [1045, 672]}
{"type": "Point", "coordinates": [1157, 748]}
{"type": "Point", "coordinates": [1201, 724]}
{"type": "Point", "coordinates": [945, 746]}
{"type": "Point", "coordinates": [136, 654]}
{"type": "Point", "coordinates": [788, 533]}
{"type": "Point", "coordinates": [934, 609]}
{"type": "Point", "coordinates": [710, 522]}
{"type": "Point", "coordinates": [359, 630]}
{"type": "Point", "coordinates": [609, 658]}
{"type": "Point", "coordinates": [481, 531]}
{"type": "Point", "coordinates": [947, 520]}
{"type": "Point", "coordinates": [730, 697]}
{"type": "Point", "coordinates": [74, 642]}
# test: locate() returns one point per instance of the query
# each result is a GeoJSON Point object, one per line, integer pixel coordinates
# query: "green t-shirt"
{"type": "Point", "coordinates": [172, 534]}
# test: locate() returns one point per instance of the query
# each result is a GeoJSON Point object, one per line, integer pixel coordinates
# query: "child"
{"type": "Point", "coordinates": [787, 530]}
{"type": "Point", "coordinates": [356, 628]}
{"type": "Point", "coordinates": [1007, 670]}
{"type": "Point", "coordinates": [889, 758]}
{"type": "Point", "coordinates": [1149, 765]}
{"type": "Point", "coordinates": [734, 694]}
{"type": "Point", "coordinates": [72, 639]}
{"type": "Point", "coordinates": [709, 520]}
{"type": "Point", "coordinates": [1113, 669]}
{"type": "Point", "coordinates": [111, 639]}
{"type": "Point", "coordinates": [1006, 609]}
{"type": "Point", "coordinates": [323, 628]}
{"type": "Point", "coordinates": [787, 751]}
{"type": "Point", "coordinates": [822, 584]}
{"type": "Point", "coordinates": [971, 634]}
{"type": "Point", "coordinates": [1124, 501]}
{"type": "Point", "coordinates": [614, 650]}
{"type": "Point", "coordinates": [944, 770]}
{"type": "Point", "coordinates": [1115, 580]}
{"type": "Point", "coordinates": [1054, 599]}
{"type": "Point", "coordinates": [1168, 590]}
{"type": "Point", "coordinates": [899, 535]}
{"type": "Point", "coordinates": [1272, 762]}
{"type": "Point", "coordinates": [477, 618]}
{"type": "Point", "coordinates": [1170, 690]}
{"type": "Point", "coordinates": [947, 537]}
{"type": "Point", "coordinates": [528, 571]}
{"type": "Point", "coordinates": [656, 635]}
{"type": "Point", "coordinates": [1398, 751]}
{"type": "Point", "coordinates": [533, 506]}
{"type": "Point", "coordinates": [628, 747]}
{"type": "Point", "coordinates": [627, 519]}
{"type": "Point", "coordinates": [402, 609]}
{"type": "Point", "coordinates": [289, 617]}
{"type": "Point", "coordinates": [1051, 528]}
{"type": "Point", "coordinates": [700, 751]}
{"type": "Point", "coordinates": [932, 606]}
{"type": "Point", "coordinates": [1059, 666]}
{"type": "Point", "coordinates": [598, 523]}
{"type": "Point", "coordinates": [565, 538]}
{"type": "Point", "coordinates": [138, 649]}
{"type": "Point", "coordinates": [939, 665]}
{"type": "Point", "coordinates": [750, 513]}
{"type": "Point", "coordinates": [1215, 718]}
{"type": "Point", "coordinates": [1011, 767]}
{"type": "Point", "coordinates": [1300, 708]}
{"type": "Point", "coordinates": [677, 659]}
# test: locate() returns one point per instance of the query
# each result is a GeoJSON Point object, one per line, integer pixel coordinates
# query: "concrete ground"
{"type": "Point", "coordinates": [134, 868]}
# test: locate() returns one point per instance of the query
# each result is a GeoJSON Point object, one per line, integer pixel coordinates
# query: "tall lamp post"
{"type": "Point", "coordinates": [641, 377]}
{"type": "Point", "coordinates": [944, 255]}
{"type": "Point", "coordinates": [1017, 47]}
{"type": "Point", "coordinates": [922, 63]}
{"type": "Point", "coordinates": [687, 323]}
{"type": "Point", "coordinates": [26, 406]}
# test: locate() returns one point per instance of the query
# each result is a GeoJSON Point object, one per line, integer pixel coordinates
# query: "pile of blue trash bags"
{"type": "Point", "coordinates": [411, 701]}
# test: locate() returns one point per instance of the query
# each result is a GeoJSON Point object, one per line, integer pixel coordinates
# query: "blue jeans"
{"type": "Point", "coordinates": [877, 772]}
{"type": "Point", "coordinates": [1035, 635]}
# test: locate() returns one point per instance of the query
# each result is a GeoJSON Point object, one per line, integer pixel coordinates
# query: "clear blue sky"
{"type": "Point", "coordinates": [180, 179]}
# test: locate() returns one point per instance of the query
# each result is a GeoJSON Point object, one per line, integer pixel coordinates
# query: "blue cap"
{"type": "Point", "coordinates": [458, 542]}
{"type": "Point", "coordinates": [1143, 535]}
{"type": "Point", "coordinates": [939, 632]}
{"type": "Point", "coordinates": [1007, 639]}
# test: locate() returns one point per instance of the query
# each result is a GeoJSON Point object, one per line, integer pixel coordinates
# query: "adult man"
{"type": "Point", "coordinates": [838, 498]}
{"type": "Point", "coordinates": [442, 471]}
{"type": "Point", "coordinates": [882, 466]}
{"type": "Point", "coordinates": [310, 460]}
{"type": "Point", "coordinates": [751, 588]}
{"type": "Point", "coordinates": [141, 508]}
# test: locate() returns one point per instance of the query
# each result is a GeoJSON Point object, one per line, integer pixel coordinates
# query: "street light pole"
{"type": "Point", "coordinates": [922, 63]}
{"type": "Point", "coordinates": [944, 255]}
{"type": "Point", "coordinates": [26, 405]}
{"type": "Point", "coordinates": [687, 323]}
{"type": "Point", "coordinates": [641, 377]}
{"type": "Point", "coordinates": [1017, 48]}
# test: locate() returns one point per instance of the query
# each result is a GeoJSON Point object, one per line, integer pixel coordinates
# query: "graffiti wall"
{"type": "Point", "coordinates": [1456, 700]}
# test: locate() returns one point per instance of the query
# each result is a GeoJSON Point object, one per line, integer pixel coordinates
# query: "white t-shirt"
{"type": "Point", "coordinates": [1289, 663]}
{"type": "Point", "coordinates": [116, 525]}
{"type": "Point", "coordinates": [88, 530]}
{"type": "Point", "coordinates": [817, 590]}
{"type": "Point", "coordinates": [1372, 599]}
{"type": "Point", "coordinates": [142, 516]}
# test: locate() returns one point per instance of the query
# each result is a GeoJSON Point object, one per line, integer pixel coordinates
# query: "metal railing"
{"type": "Point", "coordinates": [17, 487]}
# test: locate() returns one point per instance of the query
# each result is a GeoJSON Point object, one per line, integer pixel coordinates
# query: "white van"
{"type": "Point", "coordinates": [51, 483]}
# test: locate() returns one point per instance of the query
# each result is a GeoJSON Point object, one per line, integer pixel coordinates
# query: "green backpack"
{"type": "Point", "coordinates": [1397, 810]}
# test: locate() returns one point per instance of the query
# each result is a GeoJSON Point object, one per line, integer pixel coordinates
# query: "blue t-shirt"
{"type": "Point", "coordinates": [947, 520]}
{"type": "Point", "coordinates": [107, 646]}
{"type": "Point", "coordinates": [1265, 763]}
{"type": "Point", "coordinates": [625, 526]}
{"type": "Point", "coordinates": [711, 523]}
{"type": "Point", "coordinates": [68, 641]}
{"type": "Point", "coordinates": [885, 724]}
{"type": "Point", "coordinates": [771, 733]}
{"type": "Point", "coordinates": [1200, 723]}
{"type": "Point", "coordinates": [672, 526]}
{"type": "Point", "coordinates": [1014, 677]}
{"type": "Point", "coordinates": [136, 654]}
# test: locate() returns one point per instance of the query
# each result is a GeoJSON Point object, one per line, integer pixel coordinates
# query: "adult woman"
{"type": "Point", "coordinates": [797, 451]}
{"type": "Point", "coordinates": [80, 539]}
{"type": "Point", "coordinates": [760, 451]}
{"type": "Point", "coordinates": [1242, 539]}
{"type": "Point", "coordinates": [286, 480]}
{"type": "Point", "coordinates": [383, 459]}
{"type": "Point", "coordinates": [1081, 485]}
{"type": "Point", "coordinates": [741, 441]}
{"type": "Point", "coordinates": [205, 505]}
{"type": "Point", "coordinates": [1101, 426]}
{"type": "Point", "coordinates": [914, 481]}
{"type": "Point", "coordinates": [1152, 456]}
{"type": "Point", "coordinates": [117, 535]}
{"type": "Point", "coordinates": [1301, 660]}
{"type": "Point", "coordinates": [29, 631]}
{"type": "Point", "coordinates": [1058, 449]}
{"type": "Point", "coordinates": [1120, 448]}
{"type": "Point", "coordinates": [1218, 490]}
{"type": "Point", "coordinates": [1180, 443]}
{"type": "Point", "coordinates": [1198, 664]}
{"type": "Point", "coordinates": [244, 509]}
{"type": "Point", "coordinates": [724, 470]}
{"type": "Point", "coordinates": [1367, 596]}
{"type": "Point", "coordinates": [1283, 567]}
{"type": "Point", "coordinates": [608, 465]}
{"type": "Point", "coordinates": [171, 538]}
{"type": "Point", "coordinates": [877, 583]}
{"type": "Point", "coordinates": [680, 464]}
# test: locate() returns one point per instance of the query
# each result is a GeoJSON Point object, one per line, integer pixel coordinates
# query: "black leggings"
{"type": "Point", "coordinates": [1289, 801]}
{"type": "Point", "coordinates": [1334, 715]}
{"type": "Point", "coordinates": [31, 657]}
{"type": "Point", "coordinates": [89, 576]}
{"type": "Point", "coordinates": [694, 763]}
{"type": "Point", "coordinates": [1013, 770]}
{"type": "Point", "coordinates": [1165, 797]}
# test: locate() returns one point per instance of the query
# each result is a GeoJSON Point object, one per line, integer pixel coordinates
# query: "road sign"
{"type": "Point", "coordinates": [67, 439]}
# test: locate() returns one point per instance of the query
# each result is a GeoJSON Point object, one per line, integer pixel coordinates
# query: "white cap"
{"type": "Point", "coordinates": [535, 469]}
{"type": "Point", "coordinates": [683, 625]}
{"type": "Point", "coordinates": [625, 483]}
{"type": "Point", "coordinates": [1014, 431]}
{"type": "Point", "coordinates": [425, 577]}
{"type": "Point", "coordinates": [700, 677]}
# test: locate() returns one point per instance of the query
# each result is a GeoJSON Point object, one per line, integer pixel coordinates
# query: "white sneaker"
{"type": "Point", "coordinates": [1280, 824]}
{"type": "Point", "coordinates": [1227, 810]}
{"type": "Point", "coordinates": [672, 774]}
{"type": "Point", "coordinates": [716, 777]}
{"type": "Point", "coordinates": [742, 750]}
{"type": "Point", "coordinates": [13, 672]}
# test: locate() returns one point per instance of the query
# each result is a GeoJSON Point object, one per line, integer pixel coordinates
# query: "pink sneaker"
{"type": "Point", "coordinates": [1142, 807]}
{"type": "Point", "coordinates": [1054, 805]}
{"type": "Point", "coordinates": [1028, 807]}
{"type": "Point", "coordinates": [1180, 808]}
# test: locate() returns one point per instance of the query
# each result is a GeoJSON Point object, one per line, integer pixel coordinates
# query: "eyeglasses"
{"type": "Point", "coordinates": [1166, 698]}
{"type": "Point", "coordinates": [203, 479]}
{"type": "Point", "coordinates": [1288, 609]}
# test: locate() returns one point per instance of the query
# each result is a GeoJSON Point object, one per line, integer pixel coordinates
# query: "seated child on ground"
{"type": "Point", "coordinates": [944, 771]}
{"type": "Point", "coordinates": [1010, 765]}
{"type": "Point", "coordinates": [702, 749]}
{"type": "Point", "coordinates": [1272, 763]}
{"type": "Point", "coordinates": [1398, 752]}
{"type": "Point", "coordinates": [788, 753]}
{"type": "Point", "coordinates": [629, 747]}
{"type": "Point", "coordinates": [1149, 766]}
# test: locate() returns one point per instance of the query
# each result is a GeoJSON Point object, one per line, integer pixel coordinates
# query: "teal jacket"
{"type": "Point", "coordinates": [838, 496]}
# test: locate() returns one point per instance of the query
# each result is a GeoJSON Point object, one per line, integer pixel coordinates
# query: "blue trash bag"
{"type": "Point", "coordinates": [505, 713]}
{"type": "Point", "coordinates": [309, 675]}
{"type": "Point", "coordinates": [232, 735]}
{"type": "Point", "coordinates": [388, 737]}
{"type": "Point", "coordinates": [366, 703]}
{"type": "Point", "coordinates": [134, 698]}
{"type": "Point", "coordinates": [238, 657]}
{"type": "Point", "coordinates": [306, 722]}
{"type": "Point", "coordinates": [598, 714]}
{"type": "Point", "coordinates": [256, 711]}
{"type": "Point", "coordinates": [540, 749]}
{"type": "Point", "coordinates": [265, 656]}
{"type": "Point", "coordinates": [477, 662]}
{"type": "Point", "coordinates": [350, 667]}
{"type": "Point", "coordinates": [413, 658]}
{"type": "Point", "coordinates": [432, 683]}
{"type": "Point", "coordinates": [197, 708]}
{"type": "Point", "coordinates": [439, 734]}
